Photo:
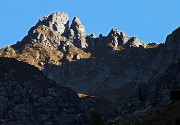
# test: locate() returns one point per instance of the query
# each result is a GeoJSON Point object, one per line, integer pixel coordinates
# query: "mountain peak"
{"type": "Point", "coordinates": [58, 21]}
{"type": "Point", "coordinates": [116, 32]}
{"type": "Point", "coordinates": [78, 27]}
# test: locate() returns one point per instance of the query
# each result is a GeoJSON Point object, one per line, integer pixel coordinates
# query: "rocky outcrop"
{"type": "Point", "coordinates": [134, 42]}
{"type": "Point", "coordinates": [28, 97]}
{"type": "Point", "coordinates": [77, 30]}
{"type": "Point", "coordinates": [118, 38]}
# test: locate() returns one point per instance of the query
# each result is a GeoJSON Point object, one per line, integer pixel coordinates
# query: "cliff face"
{"type": "Point", "coordinates": [117, 68]}
{"type": "Point", "coordinates": [29, 97]}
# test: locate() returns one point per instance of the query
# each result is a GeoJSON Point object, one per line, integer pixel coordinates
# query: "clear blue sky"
{"type": "Point", "coordinates": [149, 20]}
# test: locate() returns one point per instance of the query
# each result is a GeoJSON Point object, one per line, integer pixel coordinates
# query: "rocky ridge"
{"type": "Point", "coordinates": [52, 32]}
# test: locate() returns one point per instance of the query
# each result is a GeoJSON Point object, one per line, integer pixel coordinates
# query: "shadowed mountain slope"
{"type": "Point", "coordinates": [29, 97]}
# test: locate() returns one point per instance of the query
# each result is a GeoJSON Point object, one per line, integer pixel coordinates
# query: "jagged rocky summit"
{"type": "Point", "coordinates": [119, 69]}
{"type": "Point", "coordinates": [53, 33]}
{"type": "Point", "coordinates": [52, 42]}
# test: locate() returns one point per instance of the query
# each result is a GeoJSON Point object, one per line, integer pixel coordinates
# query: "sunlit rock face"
{"type": "Point", "coordinates": [79, 33]}
{"type": "Point", "coordinates": [78, 28]}
{"type": "Point", "coordinates": [57, 22]}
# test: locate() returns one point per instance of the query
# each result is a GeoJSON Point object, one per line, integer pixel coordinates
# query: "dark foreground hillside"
{"type": "Point", "coordinates": [28, 97]}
